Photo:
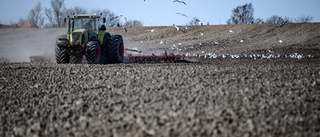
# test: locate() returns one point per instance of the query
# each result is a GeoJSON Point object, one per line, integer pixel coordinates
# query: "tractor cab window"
{"type": "Point", "coordinates": [84, 23]}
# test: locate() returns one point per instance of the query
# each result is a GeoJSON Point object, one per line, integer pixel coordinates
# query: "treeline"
{"type": "Point", "coordinates": [244, 15]}
{"type": "Point", "coordinates": [54, 15]}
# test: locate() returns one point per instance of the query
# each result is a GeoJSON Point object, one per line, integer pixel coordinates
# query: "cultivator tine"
{"type": "Point", "coordinates": [140, 58]}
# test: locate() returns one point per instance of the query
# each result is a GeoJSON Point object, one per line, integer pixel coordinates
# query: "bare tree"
{"type": "Point", "coordinates": [35, 16]}
{"type": "Point", "coordinates": [55, 13]}
{"type": "Point", "coordinates": [242, 15]}
{"type": "Point", "coordinates": [108, 15]}
{"type": "Point", "coordinates": [77, 10]}
{"type": "Point", "coordinates": [304, 19]}
{"type": "Point", "coordinates": [276, 19]}
{"type": "Point", "coordinates": [134, 23]}
{"type": "Point", "coordinates": [193, 22]}
{"type": "Point", "coordinates": [23, 20]}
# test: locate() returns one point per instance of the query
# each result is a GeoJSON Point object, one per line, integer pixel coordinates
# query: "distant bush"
{"type": "Point", "coordinates": [304, 19]}
{"type": "Point", "coordinates": [133, 23]}
{"type": "Point", "coordinates": [276, 19]}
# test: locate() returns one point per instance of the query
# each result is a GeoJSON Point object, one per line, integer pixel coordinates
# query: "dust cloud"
{"type": "Point", "coordinates": [18, 44]}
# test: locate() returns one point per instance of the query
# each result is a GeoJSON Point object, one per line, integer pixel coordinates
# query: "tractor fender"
{"type": "Point", "coordinates": [63, 37]}
{"type": "Point", "coordinates": [101, 36]}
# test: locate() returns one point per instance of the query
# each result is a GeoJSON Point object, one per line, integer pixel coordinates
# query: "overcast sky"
{"type": "Point", "coordinates": [163, 12]}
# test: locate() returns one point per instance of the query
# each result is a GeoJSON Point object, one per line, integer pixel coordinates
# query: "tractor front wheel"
{"type": "Point", "coordinates": [93, 52]}
{"type": "Point", "coordinates": [62, 55]}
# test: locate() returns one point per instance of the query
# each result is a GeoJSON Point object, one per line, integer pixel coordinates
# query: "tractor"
{"type": "Point", "coordinates": [87, 40]}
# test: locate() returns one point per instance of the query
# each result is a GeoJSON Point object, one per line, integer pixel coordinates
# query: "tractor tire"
{"type": "Point", "coordinates": [75, 59]}
{"type": "Point", "coordinates": [93, 52]}
{"type": "Point", "coordinates": [62, 55]}
{"type": "Point", "coordinates": [115, 49]}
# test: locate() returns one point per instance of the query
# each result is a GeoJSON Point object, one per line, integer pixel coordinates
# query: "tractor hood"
{"type": "Point", "coordinates": [78, 37]}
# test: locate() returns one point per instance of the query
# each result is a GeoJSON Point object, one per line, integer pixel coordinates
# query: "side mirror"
{"type": "Point", "coordinates": [103, 20]}
{"type": "Point", "coordinates": [65, 20]}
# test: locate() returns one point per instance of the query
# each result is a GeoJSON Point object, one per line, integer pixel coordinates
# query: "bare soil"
{"type": "Point", "coordinates": [213, 97]}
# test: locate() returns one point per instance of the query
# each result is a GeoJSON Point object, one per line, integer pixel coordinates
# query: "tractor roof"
{"type": "Point", "coordinates": [86, 16]}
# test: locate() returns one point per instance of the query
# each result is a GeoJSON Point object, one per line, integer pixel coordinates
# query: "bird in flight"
{"type": "Point", "coordinates": [183, 15]}
{"type": "Point", "coordinates": [180, 2]}
{"type": "Point", "coordinates": [284, 23]}
{"type": "Point", "coordinates": [115, 17]}
{"type": "Point", "coordinates": [201, 23]}
{"type": "Point", "coordinates": [178, 29]}
{"type": "Point", "coordinates": [125, 29]}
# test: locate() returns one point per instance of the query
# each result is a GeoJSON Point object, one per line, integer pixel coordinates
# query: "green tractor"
{"type": "Point", "coordinates": [87, 38]}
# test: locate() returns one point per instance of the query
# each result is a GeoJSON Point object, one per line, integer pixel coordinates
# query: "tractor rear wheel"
{"type": "Point", "coordinates": [62, 55]}
{"type": "Point", "coordinates": [115, 49]}
{"type": "Point", "coordinates": [93, 52]}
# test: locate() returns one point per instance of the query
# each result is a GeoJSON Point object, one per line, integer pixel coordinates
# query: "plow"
{"type": "Point", "coordinates": [132, 56]}
{"type": "Point", "coordinates": [136, 56]}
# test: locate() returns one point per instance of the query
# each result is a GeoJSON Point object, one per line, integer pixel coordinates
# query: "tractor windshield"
{"type": "Point", "coordinates": [85, 23]}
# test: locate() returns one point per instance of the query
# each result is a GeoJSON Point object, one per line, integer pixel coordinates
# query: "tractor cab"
{"type": "Point", "coordinates": [83, 28]}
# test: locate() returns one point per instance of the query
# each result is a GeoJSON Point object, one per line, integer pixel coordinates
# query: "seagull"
{"type": "Point", "coordinates": [151, 30]}
{"type": "Point", "coordinates": [187, 27]}
{"type": "Point", "coordinates": [125, 29]}
{"type": "Point", "coordinates": [280, 41]}
{"type": "Point", "coordinates": [203, 34]}
{"type": "Point", "coordinates": [161, 42]}
{"type": "Point", "coordinates": [121, 16]}
{"type": "Point", "coordinates": [258, 21]}
{"type": "Point", "coordinates": [182, 14]}
{"type": "Point", "coordinates": [241, 41]}
{"type": "Point", "coordinates": [216, 42]}
{"type": "Point", "coordinates": [284, 23]}
{"type": "Point", "coordinates": [270, 51]}
{"type": "Point", "coordinates": [200, 23]}
{"type": "Point", "coordinates": [231, 31]}
{"type": "Point", "coordinates": [180, 2]}
{"type": "Point", "coordinates": [178, 28]}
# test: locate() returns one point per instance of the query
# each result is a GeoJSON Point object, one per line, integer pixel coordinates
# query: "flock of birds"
{"type": "Point", "coordinates": [253, 56]}
{"type": "Point", "coordinates": [179, 47]}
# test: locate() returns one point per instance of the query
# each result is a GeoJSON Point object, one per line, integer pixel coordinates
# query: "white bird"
{"type": "Point", "coordinates": [182, 14]}
{"type": "Point", "coordinates": [200, 23]}
{"type": "Point", "coordinates": [203, 34]}
{"type": "Point", "coordinates": [125, 29]}
{"type": "Point", "coordinates": [284, 23]}
{"type": "Point", "coordinates": [151, 30]}
{"type": "Point", "coordinates": [280, 41]}
{"type": "Point", "coordinates": [231, 31]}
{"type": "Point", "coordinates": [270, 51]}
{"type": "Point", "coordinates": [180, 43]}
{"type": "Point", "coordinates": [241, 41]}
{"type": "Point", "coordinates": [180, 2]}
{"type": "Point", "coordinates": [178, 29]}
{"type": "Point", "coordinates": [161, 42]}
{"type": "Point", "coordinates": [121, 16]}
{"type": "Point", "coordinates": [188, 28]}
{"type": "Point", "coordinates": [216, 42]}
